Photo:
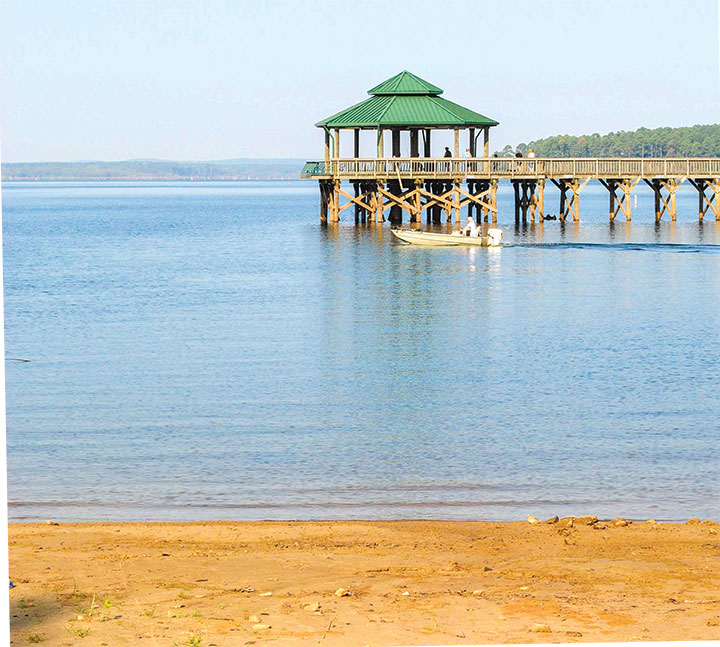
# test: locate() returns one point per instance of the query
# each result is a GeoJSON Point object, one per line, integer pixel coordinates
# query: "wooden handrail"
{"type": "Point", "coordinates": [391, 168]}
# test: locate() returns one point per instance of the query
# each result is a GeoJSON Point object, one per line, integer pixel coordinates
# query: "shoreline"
{"type": "Point", "coordinates": [363, 582]}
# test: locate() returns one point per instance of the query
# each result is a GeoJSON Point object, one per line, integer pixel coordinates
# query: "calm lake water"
{"type": "Point", "coordinates": [209, 351]}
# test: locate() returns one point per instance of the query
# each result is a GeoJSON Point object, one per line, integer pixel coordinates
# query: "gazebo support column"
{"type": "Point", "coordinates": [486, 141]}
{"type": "Point", "coordinates": [396, 142]}
{"type": "Point", "coordinates": [379, 202]}
{"type": "Point", "coordinates": [335, 201]}
{"type": "Point", "coordinates": [327, 148]}
{"type": "Point", "coordinates": [416, 216]}
{"type": "Point", "coordinates": [426, 138]}
{"type": "Point", "coordinates": [414, 143]}
{"type": "Point", "coordinates": [324, 200]}
{"type": "Point", "coordinates": [336, 153]}
{"type": "Point", "coordinates": [493, 200]}
{"type": "Point", "coordinates": [356, 143]}
{"type": "Point", "coordinates": [471, 139]}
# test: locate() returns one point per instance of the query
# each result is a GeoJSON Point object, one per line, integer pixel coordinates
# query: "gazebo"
{"type": "Point", "coordinates": [406, 102]}
{"type": "Point", "coordinates": [414, 183]}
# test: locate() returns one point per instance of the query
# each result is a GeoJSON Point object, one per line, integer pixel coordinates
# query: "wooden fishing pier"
{"type": "Point", "coordinates": [441, 187]}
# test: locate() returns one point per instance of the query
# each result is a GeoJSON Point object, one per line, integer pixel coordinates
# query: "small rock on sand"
{"type": "Point", "coordinates": [312, 607]}
{"type": "Point", "coordinates": [587, 520]}
{"type": "Point", "coordinates": [600, 526]}
{"type": "Point", "coordinates": [693, 522]}
{"type": "Point", "coordinates": [341, 593]}
{"type": "Point", "coordinates": [619, 523]}
{"type": "Point", "coordinates": [539, 629]}
{"type": "Point", "coordinates": [405, 593]}
{"type": "Point", "coordinates": [531, 519]}
{"type": "Point", "coordinates": [260, 626]}
{"type": "Point", "coordinates": [566, 522]}
{"type": "Point", "coordinates": [51, 523]}
{"type": "Point", "coordinates": [267, 594]}
{"type": "Point", "coordinates": [554, 519]}
{"type": "Point", "coordinates": [254, 619]}
{"type": "Point", "coordinates": [477, 592]}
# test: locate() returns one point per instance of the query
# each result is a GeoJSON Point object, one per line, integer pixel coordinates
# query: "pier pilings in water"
{"type": "Point", "coordinates": [442, 188]}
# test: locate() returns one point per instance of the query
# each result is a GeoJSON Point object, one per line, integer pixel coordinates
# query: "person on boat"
{"type": "Point", "coordinates": [471, 228]}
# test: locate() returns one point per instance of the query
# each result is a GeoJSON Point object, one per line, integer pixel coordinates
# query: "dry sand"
{"type": "Point", "coordinates": [408, 582]}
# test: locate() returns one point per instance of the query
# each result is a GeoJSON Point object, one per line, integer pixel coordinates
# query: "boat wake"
{"type": "Point", "coordinates": [678, 248]}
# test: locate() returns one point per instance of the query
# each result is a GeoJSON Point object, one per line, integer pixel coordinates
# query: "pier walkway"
{"type": "Point", "coordinates": [447, 184]}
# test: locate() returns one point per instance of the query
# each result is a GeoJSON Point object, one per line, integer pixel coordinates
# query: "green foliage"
{"type": "Point", "coordinates": [690, 141]}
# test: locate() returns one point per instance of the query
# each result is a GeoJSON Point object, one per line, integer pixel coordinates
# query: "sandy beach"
{"type": "Point", "coordinates": [362, 583]}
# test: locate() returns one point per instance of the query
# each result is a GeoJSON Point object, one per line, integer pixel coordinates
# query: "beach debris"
{"type": "Point", "coordinates": [693, 522]}
{"type": "Point", "coordinates": [554, 519]}
{"type": "Point", "coordinates": [601, 526]}
{"type": "Point", "coordinates": [267, 594]}
{"type": "Point", "coordinates": [486, 569]}
{"type": "Point", "coordinates": [540, 628]}
{"type": "Point", "coordinates": [620, 522]}
{"type": "Point", "coordinates": [405, 593]}
{"type": "Point", "coordinates": [566, 522]}
{"type": "Point", "coordinates": [341, 593]}
{"type": "Point", "coordinates": [312, 607]}
{"type": "Point", "coordinates": [651, 521]}
{"type": "Point", "coordinates": [712, 531]}
{"type": "Point", "coordinates": [533, 520]}
{"type": "Point", "coordinates": [12, 584]}
{"type": "Point", "coordinates": [51, 523]}
{"type": "Point", "coordinates": [574, 634]}
{"type": "Point", "coordinates": [260, 626]}
{"type": "Point", "coordinates": [477, 592]}
{"type": "Point", "coordinates": [524, 588]}
{"type": "Point", "coordinates": [254, 619]}
{"type": "Point", "coordinates": [244, 589]}
{"type": "Point", "coordinates": [586, 520]}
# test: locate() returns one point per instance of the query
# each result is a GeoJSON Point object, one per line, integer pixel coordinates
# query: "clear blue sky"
{"type": "Point", "coordinates": [215, 79]}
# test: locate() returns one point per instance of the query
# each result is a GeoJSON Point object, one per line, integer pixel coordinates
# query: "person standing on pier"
{"type": "Point", "coordinates": [447, 152]}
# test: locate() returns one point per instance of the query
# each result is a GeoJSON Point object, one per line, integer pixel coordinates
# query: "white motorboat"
{"type": "Point", "coordinates": [493, 238]}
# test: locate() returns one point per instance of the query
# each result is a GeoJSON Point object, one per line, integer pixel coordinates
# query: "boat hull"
{"type": "Point", "coordinates": [431, 238]}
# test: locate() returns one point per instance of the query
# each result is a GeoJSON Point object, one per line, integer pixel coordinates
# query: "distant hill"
{"type": "Point", "coordinates": [151, 169]}
{"type": "Point", "coordinates": [690, 141]}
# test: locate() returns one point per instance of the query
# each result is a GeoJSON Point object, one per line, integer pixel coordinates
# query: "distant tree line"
{"type": "Point", "coordinates": [241, 169]}
{"type": "Point", "coordinates": [690, 141]}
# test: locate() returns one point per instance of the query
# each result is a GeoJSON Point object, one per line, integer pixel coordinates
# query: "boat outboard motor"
{"type": "Point", "coordinates": [495, 236]}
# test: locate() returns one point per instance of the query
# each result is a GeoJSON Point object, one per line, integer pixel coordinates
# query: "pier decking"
{"type": "Point", "coordinates": [406, 103]}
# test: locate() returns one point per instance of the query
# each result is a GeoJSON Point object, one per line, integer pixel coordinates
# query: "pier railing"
{"type": "Point", "coordinates": [511, 167]}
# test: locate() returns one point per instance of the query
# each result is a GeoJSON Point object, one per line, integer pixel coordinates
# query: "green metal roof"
{"type": "Point", "coordinates": [406, 100]}
{"type": "Point", "coordinates": [405, 83]}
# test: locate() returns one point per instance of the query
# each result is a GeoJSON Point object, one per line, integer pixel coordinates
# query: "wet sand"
{"type": "Point", "coordinates": [405, 583]}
